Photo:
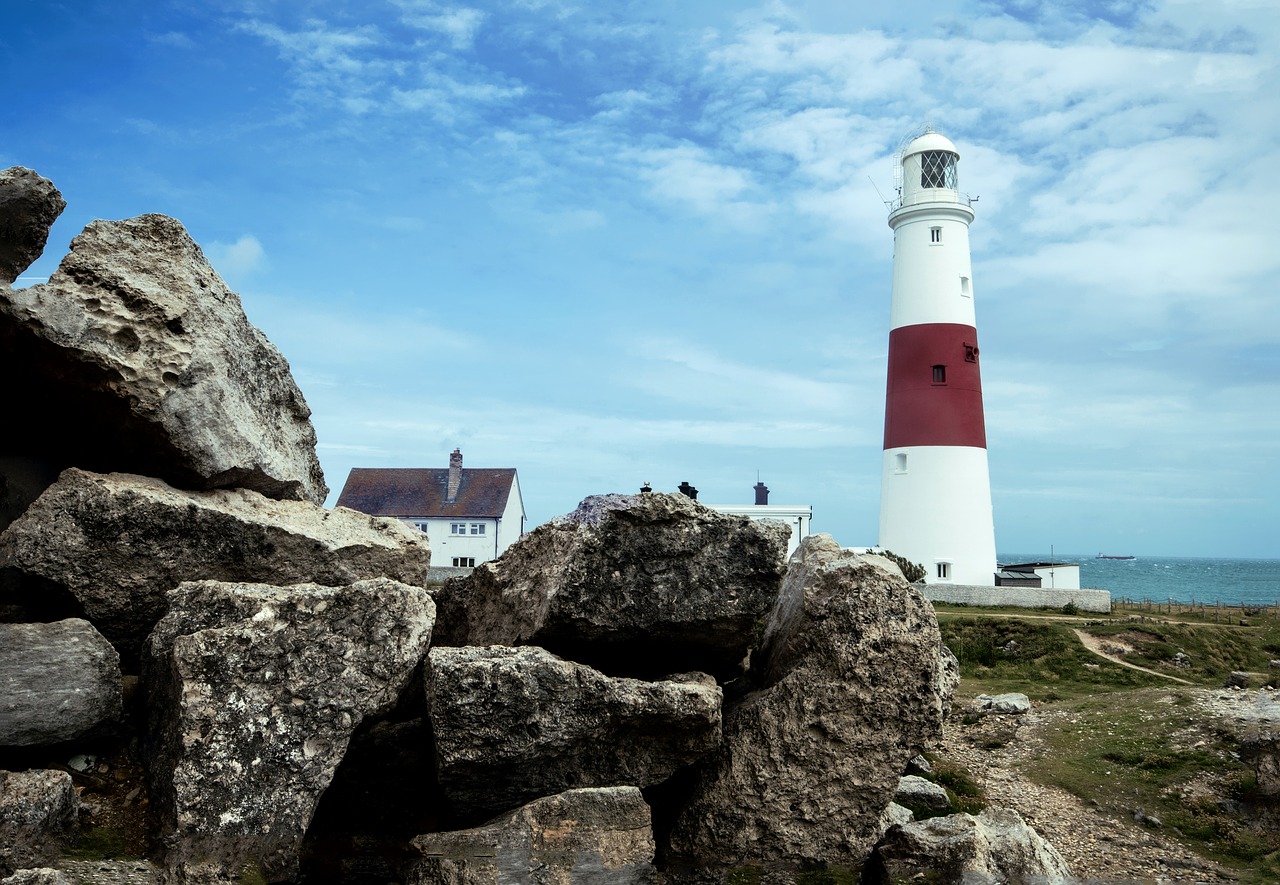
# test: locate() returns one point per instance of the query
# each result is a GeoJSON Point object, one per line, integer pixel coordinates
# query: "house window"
{"type": "Point", "coordinates": [464, 562]}
{"type": "Point", "coordinates": [935, 235]}
{"type": "Point", "coordinates": [457, 528]}
{"type": "Point", "coordinates": [944, 571]}
{"type": "Point", "coordinates": [939, 374]}
{"type": "Point", "coordinates": [477, 528]}
{"type": "Point", "coordinates": [422, 527]}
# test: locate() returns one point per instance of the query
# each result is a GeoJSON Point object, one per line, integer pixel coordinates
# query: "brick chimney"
{"type": "Point", "coordinates": [762, 494]}
{"type": "Point", "coordinates": [455, 475]}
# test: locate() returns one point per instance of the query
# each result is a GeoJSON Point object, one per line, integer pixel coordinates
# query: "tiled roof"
{"type": "Point", "coordinates": [421, 491]}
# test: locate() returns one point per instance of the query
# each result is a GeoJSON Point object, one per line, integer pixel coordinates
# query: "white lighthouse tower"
{"type": "Point", "coordinates": [935, 489]}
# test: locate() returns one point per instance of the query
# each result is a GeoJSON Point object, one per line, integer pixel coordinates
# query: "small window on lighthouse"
{"type": "Point", "coordinates": [964, 287]}
{"type": "Point", "coordinates": [944, 571]}
{"type": "Point", "coordinates": [939, 374]}
{"type": "Point", "coordinates": [900, 462]}
{"type": "Point", "coordinates": [935, 235]}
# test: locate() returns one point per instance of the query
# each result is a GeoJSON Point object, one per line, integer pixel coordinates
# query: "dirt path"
{"type": "Point", "coordinates": [1099, 846]}
{"type": "Point", "coordinates": [1095, 645]}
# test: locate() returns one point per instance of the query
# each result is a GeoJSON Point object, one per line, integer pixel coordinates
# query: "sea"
{"type": "Point", "coordinates": [1183, 579]}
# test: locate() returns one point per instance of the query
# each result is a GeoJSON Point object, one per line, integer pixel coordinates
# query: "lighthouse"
{"type": "Point", "coordinates": [935, 488]}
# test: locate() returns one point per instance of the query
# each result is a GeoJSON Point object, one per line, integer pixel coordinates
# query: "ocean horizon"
{"type": "Point", "coordinates": [1180, 578]}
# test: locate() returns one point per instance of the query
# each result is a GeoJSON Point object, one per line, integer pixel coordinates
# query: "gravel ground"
{"type": "Point", "coordinates": [1097, 846]}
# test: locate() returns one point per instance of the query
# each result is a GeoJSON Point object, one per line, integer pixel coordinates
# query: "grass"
{"type": "Point", "coordinates": [104, 843]}
{"type": "Point", "coordinates": [1124, 739]}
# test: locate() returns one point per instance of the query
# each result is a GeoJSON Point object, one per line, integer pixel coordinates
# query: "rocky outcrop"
{"type": "Point", "coordinates": [849, 692]}
{"type": "Point", "coordinates": [512, 724]}
{"type": "Point", "coordinates": [39, 876]}
{"type": "Point", "coordinates": [59, 682]}
{"type": "Point", "coordinates": [119, 543]}
{"type": "Point", "coordinates": [137, 357]}
{"type": "Point", "coordinates": [1012, 703]}
{"type": "Point", "coordinates": [38, 813]}
{"type": "Point", "coordinates": [29, 205]}
{"type": "Point", "coordinates": [921, 796]}
{"type": "Point", "coordinates": [578, 837]}
{"type": "Point", "coordinates": [253, 694]}
{"type": "Point", "coordinates": [997, 846]}
{"type": "Point", "coordinates": [624, 583]}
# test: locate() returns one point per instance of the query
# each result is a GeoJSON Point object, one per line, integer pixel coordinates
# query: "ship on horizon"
{"type": "Point", "coordinates": [1113, 556]}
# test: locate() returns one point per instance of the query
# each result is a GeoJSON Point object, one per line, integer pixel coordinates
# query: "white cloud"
{"type": "Point", "coordinates": [234, 261]}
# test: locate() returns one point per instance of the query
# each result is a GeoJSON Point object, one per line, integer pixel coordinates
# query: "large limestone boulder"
{"type": "Point", "coordinates": [135, 356]}
{"type": "Point", "coordinates": [995, 847]}
{"type": "Point", "coordinates": [29, 205]}
{"type": "Point", "coordinates": [849, 693]}
{"type": "Point", "coordinates": [578, 837]}
{"type": "Point", "coordinates": [253, 694]}
{"type": "Point", "coordinates": [632, 584]}
{"type": "Point", "coordinates": [38, 815]}
{"type": "Point", "coordinates": [59, 682]}
{"type": "Point", "coordinates": [512, 724]}
{"type": "Point", "coordinates": [119, 543]}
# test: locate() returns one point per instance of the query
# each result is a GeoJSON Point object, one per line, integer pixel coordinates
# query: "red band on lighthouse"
{"type": "Point", "coordinates": [934, 395]}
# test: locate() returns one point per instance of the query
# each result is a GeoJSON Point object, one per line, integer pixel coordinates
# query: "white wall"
{"type": "Point", "coordinates": [798, 516]}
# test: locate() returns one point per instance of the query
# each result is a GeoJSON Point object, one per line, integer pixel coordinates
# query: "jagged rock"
{"type": "Point", "coordinates": [919, 764]}
{"type": "Point", "coordinates": [512, 724]}
{"type": "Point", "coordinates": [948, 679]}
{"type": "Point", "coordinates": [850, 682]}
{"type": "Point", "coordinates": [1011, 704]}
{"type": "Point", "coordinates": [254, 692]}
{"type": "Point", "coordinates": [578, 837]}
{"type": "Point", "coordinates": [1237, 679]}
{"type": "Point", "coordinates": [38, 814]}
{"type": "Point", "coordinates": [639, 585]}
{"type": "Point", "coordinates": [59, 682]}
{"type": "Point", "coordinates": [119, 543]}
{"type": "Point", "coordinates": [997, 846]}
{"type": "Point", "coordinates": [29, 205]}
{"type": "Point", "coordinates": [920, 795]}
{"type": "Point", "coordinates": [135, 356]}
{"type": "Point", "coordinates": [515, 723]}
{"type": "Point", "coordinates": [40, 876]}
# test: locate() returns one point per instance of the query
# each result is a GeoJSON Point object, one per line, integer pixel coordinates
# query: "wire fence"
{"type": "Point", "coordinates": [1215, 610]}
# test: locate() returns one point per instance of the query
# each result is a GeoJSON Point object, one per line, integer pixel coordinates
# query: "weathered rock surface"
{"type": "Point", "coordinates": [850, 692]}
{"type": "Point", "coordinates": [135, 356]}
{"type": "Point", "coordinates": [578, 837]}
{"type": "Point", "coordinates": [120, 543]}
{"type": "Point", "coordinates": [39, 876]}
{"type": "Point", "coordinates": [254, 692]}
{"type": "Point", "coordinates": [920, 795]}
{"type": "Point", "coordinates": [512, 724]}
{"type": "Point", "coordinates": [626, 583]}
{"type": "Point", "coordinates": [997, 846]}
{"type": "Point", "coordinates": [59, 682]}
{"type": "Point", "coordinates": [1013, 703]}
{"type": "Point", "coordinates": [38, 814]}
{"type": "Point", "coordinates": [29, 205]}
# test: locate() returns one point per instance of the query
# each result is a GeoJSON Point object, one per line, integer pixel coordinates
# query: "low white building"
{"type": "Point", "coordinates": [1051, 575]}
{"type": "Point", "coordinates": [469, 515]}
{"type": "Point", "coordinates": [798, 516]}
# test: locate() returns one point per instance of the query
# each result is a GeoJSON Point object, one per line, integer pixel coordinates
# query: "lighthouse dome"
{"type": "Point", "coordinates": [930, 141]}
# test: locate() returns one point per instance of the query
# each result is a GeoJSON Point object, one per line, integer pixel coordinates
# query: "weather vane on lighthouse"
{"type": "Point", "coordinates": [935, 492]}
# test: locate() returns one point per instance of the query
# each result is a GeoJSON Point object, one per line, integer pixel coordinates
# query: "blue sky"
{"type": "Point", "coordinates": [610, 243]}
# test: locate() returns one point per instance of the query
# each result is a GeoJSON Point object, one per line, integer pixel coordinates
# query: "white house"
{"type": "Point", "coordinates": [798, 516]}
{"type": "Point", "coordinates": [469, 515]}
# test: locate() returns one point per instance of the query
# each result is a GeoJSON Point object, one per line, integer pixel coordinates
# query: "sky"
{"type": "Point", "coordinates": [609, 243]}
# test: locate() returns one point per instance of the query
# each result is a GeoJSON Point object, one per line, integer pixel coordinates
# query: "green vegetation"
{"type": "Point", "coordinates": [104, 843]}
{"type": "Point", "coordinates": [1123, 739]}
{"type": "Point", "coordinates": [912, 571]}
{"type": "Point", "coordinates": [965, 793]}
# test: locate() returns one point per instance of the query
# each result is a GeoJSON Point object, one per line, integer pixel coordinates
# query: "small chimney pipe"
{"type": "Point", "coordinates": [455, 475]}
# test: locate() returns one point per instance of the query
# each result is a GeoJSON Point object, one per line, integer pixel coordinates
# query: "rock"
{"type": "Point", "coordinates": [135, 356]}
{"type": "Point", "coordinates": [919, 764]}
{"type": "Point", "coordinates": [637, 585]}
{"type": "Point", "coordinates": [254, 692]}
{"type": "Point", "coordinates": [59, 682]}
{"type": "Point", "coordinates": [119, 543]}
{"type": "Point", "coordinates": [38, 815]}
{"type": "Point", "coordinates": [921, 796]}
{"type": "Point", "coordinates": [1237, 679]}
{"type": "Point", "coordinates": [1182, 660]}
{"type": "Point", "coordinates": [1011, 704]}
{"type": "Point", "coordinates": [41, 876]}
{"type": "Point", "coordinates": [1273, 664]}
{"type": "Point", "coordinates": [1141, 818]}
{"type": "Point", "coordinates": [29, 205]}
{"type": "Point", "coordinates": [997, 846]}
{"type": "Point", "coordinates": [948, 679]}
{"type": "Point", "coordinates": [849, 676]}
{"type": "Point", "coordinates": [512, 724]}
{"type": "Point", "coordinates": [578, 837]}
